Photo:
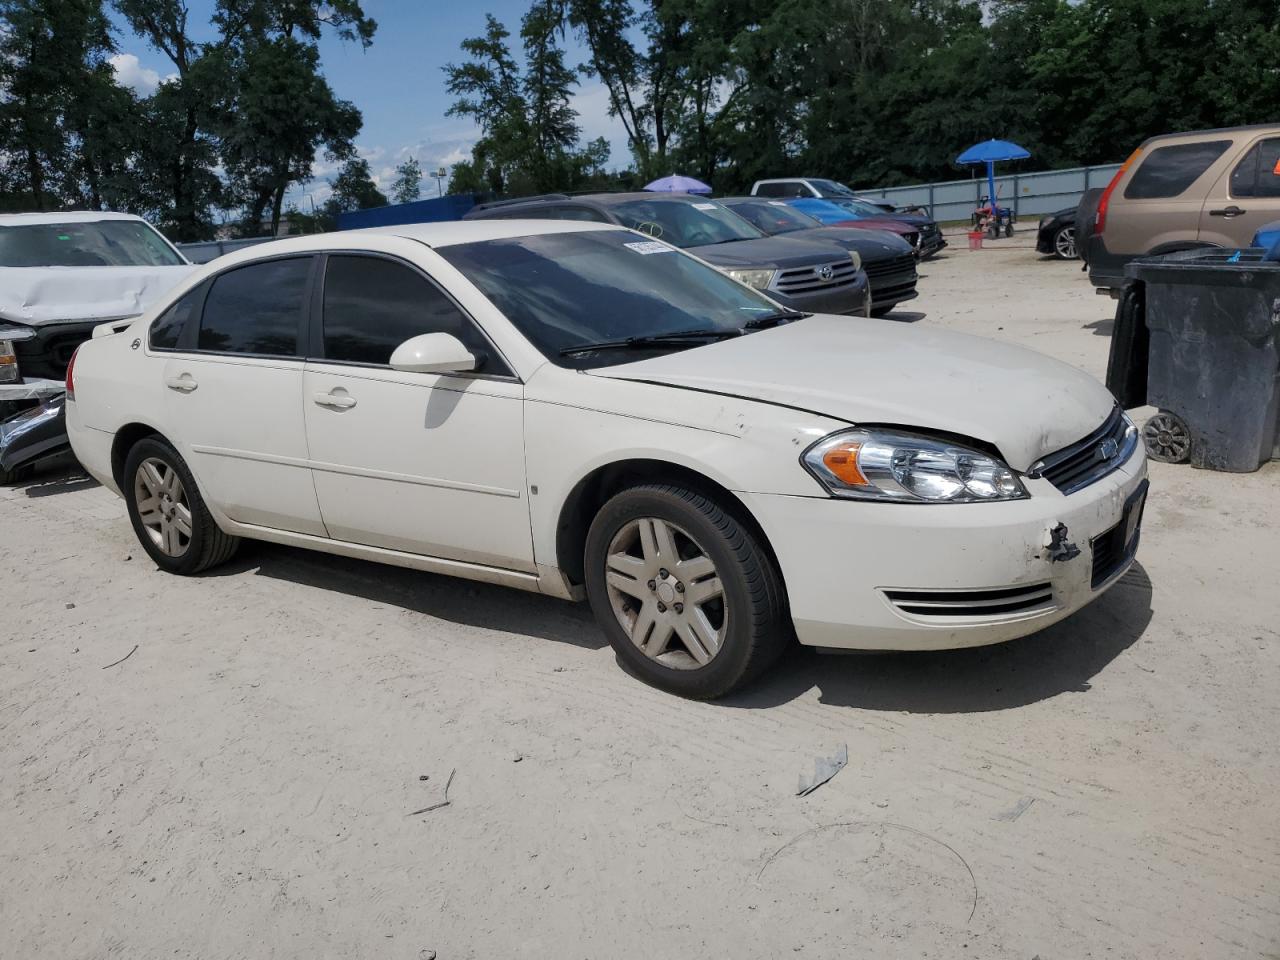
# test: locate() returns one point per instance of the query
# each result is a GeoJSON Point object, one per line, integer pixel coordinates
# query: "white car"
{"type": "Point", "coordinates": [575, 409]}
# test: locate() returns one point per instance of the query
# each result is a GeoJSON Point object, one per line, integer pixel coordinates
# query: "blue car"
{"type": "Point", "coordinates": [918, 230]}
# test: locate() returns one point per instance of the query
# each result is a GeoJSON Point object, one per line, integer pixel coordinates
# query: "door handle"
{"type": "Point", "coordinates": [183, 384]}
{"type": "Point", "coordinates": [1228, 212]}
{"type": "Point", "coordinates": [335, 400]}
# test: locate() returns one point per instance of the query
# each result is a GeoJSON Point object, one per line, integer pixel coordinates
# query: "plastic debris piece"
{"type": "Point", "coordinates": [824, 768]}
{"type": "Point", "coordinates": [1017, 810]}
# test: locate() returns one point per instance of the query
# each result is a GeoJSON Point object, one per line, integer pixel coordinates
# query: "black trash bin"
{"type": "Point", "coordinates": [1197, 334]}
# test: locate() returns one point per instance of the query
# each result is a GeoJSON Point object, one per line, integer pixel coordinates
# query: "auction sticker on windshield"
{"type": "Point", "coordinates": [704, 206]}
{"type": "Point", "coordinates": [647, 247]}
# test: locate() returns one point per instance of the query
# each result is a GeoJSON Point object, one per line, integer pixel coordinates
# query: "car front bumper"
{"type": "Point", "coordinates": [853, 299]}
{"type": "Point", "coordinates": [859, 574]}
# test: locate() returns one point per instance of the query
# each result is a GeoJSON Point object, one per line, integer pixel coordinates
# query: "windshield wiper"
{"type": "Point", "coordinates": [774, 319]}
{"type": "Point", "coordinates": [677, 339]}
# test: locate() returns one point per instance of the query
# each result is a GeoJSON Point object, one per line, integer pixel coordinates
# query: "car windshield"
{"type": "Point", "coordinates": [684, 224]}
{"type": "Point", "coordinates": [832, 189]}
{"type": "Point", "coordinates": [860, 207]}
{"type": "Point", "coordinates": [98, 243]}
{"type": "Point", "coordinates": [774, 216]}
{"type": "Point", "coordinates": [565, 290]}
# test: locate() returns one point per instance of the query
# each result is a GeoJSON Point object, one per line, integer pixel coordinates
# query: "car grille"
{"type": "Point", "coordinates": [49, 353]}
{"type": "Point", "coordinates": [903, 263]}
{"type": "Point", "coordinates": [949, 605]}
{"type": "Point", "coordinates": [1075, 467]}
{"type": "Point", "coordinates": [810, 279]}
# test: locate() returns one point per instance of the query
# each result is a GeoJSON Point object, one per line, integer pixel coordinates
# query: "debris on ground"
{"type": "Point", "coordinates": [442, 803]}
{"type": "Point", "coordinates": [1017, 810]}
{"type": "Point", "coordinates": [824, 768]}
{"type": "Point", "coordinates": [122, 659]}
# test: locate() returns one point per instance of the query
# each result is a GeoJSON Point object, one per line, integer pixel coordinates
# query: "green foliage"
{"type": "Point", "coordinates": [354, 189]}
{"type": "Point", "coordinates": [408, 185]}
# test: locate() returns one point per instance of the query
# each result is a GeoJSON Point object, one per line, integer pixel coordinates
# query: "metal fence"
{"type": "Point", "coordinates": [1030, 194]}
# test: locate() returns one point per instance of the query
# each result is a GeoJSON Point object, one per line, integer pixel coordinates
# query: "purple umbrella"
{"type": "Point", "coordinates": [678, 184]}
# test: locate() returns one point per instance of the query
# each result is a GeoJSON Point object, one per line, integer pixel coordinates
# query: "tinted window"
{"type": "Point", "coordinates": [256, 309]}
{"type": "Point", "coordinates": [1168, 171]}
{"type": "Point", "coordinates": [166, 332]}
{"type": "Point", "coordinates": [580, 213]}
{"type": "Point", "coordinates": [771, 190]}
{"type": "Point", "coordinates": [372, 305]}
{"type": "Point", "coordinates": [564, 290]}
{"type": "Point", "coordinates": [1258, 174]}
{"type": "Point", "coordinates": [773, 216]}
{"type": "Point", "coordinates": [101, 243]}
{"type": "Point", "coordinates": [684, 224]}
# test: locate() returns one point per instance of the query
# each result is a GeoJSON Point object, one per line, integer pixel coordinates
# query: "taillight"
{"type": "Point", "coordinates": [71, 375]}
{"type": "Point", "coordinates": [1100, 218]}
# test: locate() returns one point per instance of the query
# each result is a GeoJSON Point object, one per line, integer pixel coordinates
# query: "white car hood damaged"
{"type": "Point", "coordinates": [880, 372]}
{"type": "Point", "coordinates": [44, 295]}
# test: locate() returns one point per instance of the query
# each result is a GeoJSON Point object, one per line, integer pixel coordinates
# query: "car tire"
{"type": "Point", "coordinates": [169, 516]}
{"type": "Point", "coordinates": [879, 312]}
{"type": "Point", "coordinates": [1064, 243]}
{"type": "Point", "coordinates": [700, 625]}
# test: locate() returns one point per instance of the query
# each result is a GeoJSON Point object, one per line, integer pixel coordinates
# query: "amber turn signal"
{"type": "Point", "coordinates": [842, 461]}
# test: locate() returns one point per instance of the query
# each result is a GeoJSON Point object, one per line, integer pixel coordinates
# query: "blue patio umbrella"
{"type": "Point", "coordinates": [992, 152]}
{"type": "Point", "coordinates": [678, 184]}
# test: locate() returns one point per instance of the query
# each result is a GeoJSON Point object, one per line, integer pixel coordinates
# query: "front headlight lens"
{"type": "Point", "coordinates": [759, 279]}
{"type": "Point", "coordinates": [904, 467]}
{"type": "Point", "coordinates": [8, 363]}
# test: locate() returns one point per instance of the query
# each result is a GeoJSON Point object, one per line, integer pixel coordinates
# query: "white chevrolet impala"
{"type": "Point", "coordinates": [582, 411]}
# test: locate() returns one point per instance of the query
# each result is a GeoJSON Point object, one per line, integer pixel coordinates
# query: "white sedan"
{"type": "Point", "coordinates": [578, 410]}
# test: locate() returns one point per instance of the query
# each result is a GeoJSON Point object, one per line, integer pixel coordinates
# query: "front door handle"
{"type": "Point", "coordinates": [1228, 212]}
{"type": "Point", "coordinates": [183, 384]}
{"type": "Point", "coordinates": [337, 401]}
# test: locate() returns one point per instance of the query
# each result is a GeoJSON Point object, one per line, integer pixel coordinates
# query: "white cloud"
{"type": "Point", "coordinates": [132, 74]}
{"type": "Point", "coordinates": [592, 103]}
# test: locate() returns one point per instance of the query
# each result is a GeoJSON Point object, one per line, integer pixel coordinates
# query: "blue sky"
{"type": "Point", "coordinates": [397, 83]}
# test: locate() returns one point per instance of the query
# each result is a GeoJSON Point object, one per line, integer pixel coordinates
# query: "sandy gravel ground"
{"type": "Point", "coordinates": [243, 785]}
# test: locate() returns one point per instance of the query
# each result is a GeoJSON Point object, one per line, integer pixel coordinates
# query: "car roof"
{"type": "Point", "coordinates": [68, 216]}
{"type": "Point", "coordinates": [1191, 134]}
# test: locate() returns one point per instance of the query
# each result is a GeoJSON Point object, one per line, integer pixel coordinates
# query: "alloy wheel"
{"type": "Point", "coordinates": [666, 593]}
{"type": "Point", "coordinates": [162, 505]}
{"type": "Point", "coordinates": [1064, 243]}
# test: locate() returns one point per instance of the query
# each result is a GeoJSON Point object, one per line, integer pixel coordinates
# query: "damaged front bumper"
{"type": "Point", "coordinates": [878, 576]}
{"type": "Point", "coordinates": [33, 435]}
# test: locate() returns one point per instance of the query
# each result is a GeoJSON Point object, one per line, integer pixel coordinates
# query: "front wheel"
{"type": "Point", "coordinates": [688, 597]}
{"type": "Point", "coordinates": [1064, 243]}
{"type": "Point", "coordinates": [167, 512]}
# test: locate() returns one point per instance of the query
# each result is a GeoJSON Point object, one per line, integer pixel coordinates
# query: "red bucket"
{"type": "Point", "coordinates": [975, 239]}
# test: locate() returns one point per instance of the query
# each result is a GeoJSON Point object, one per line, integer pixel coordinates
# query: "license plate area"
{"type": "Point", "coordinates": [1114, 548]}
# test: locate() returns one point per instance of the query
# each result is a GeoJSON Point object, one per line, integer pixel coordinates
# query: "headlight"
{"type": "Point", "coordinates": [760, 279]}
{"type": "Point", "coordinates": [856, 258]}
{"type": "Point", "coordinates": [8, 363]}
{"type": "Point", "coordinates": [903, 467]}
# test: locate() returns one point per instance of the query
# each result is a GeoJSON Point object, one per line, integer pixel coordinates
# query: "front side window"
{"type": "Point", "coordinates": [372, 305]}
{"type": "Point", "coordinates": [1168, 171]}
{"type": "Point", "coordinates": [166, 332]}
{"type": "Point", "coordinates": [1258, 174]}
{"type": "Point", "coordinates": [580, 213]}
{"type": "Point", "coordinates": [568, 289]}
{"type": "Point", "coordinates": [93, 243]}
{"type": "Point", "coordinates": [256, 309]}
{"type": "Point", "coordinates": [684, 224]}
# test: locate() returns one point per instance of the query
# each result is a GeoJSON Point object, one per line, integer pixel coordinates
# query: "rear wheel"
{"type": "Point", "coordinates": [686, 594]}
{"type": "Point", "coordinates": [167, 512]}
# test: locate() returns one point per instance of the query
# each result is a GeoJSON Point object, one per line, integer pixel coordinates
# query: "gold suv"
{"type": "Point", "coordinates": [1211, 188]}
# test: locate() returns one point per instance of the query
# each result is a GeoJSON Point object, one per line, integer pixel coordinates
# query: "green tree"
{"type": "Point", "coordinates": [54, 83]}
{"type": "Point", "coordinates": [408, 183]}
{"type": "Point", "coordinates": [354, 189]}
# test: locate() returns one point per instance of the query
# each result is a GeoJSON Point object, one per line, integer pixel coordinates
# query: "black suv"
{"type": "Point", "coordinates": [802, 275]}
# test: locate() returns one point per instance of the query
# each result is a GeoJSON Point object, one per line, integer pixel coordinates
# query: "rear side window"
{"type": "Point", "coordinates": [1258, 174]}
{"type": "Point", "coordinates": [256, 309]}
{"type": "Point", "coordinates": [1168, 171]}
{"type": "Point", "coordinates": [771, 190]}
{"type": "Point", "coordinates": [372, 305]}
{"type": "Point", "coordinates": [166, 332]}
{"type": "Point", "coordinates": [580, 213]}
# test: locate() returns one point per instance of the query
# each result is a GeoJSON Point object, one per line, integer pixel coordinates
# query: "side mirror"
{"type": "Point", "coordinates": [433, 353]}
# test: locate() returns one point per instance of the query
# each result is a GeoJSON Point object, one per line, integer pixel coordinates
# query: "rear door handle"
{"type": "Point", "coordinates": [1231, 211]}
{"type": "Point", "coordinates": [335, 400]}
{"type": "Point", "coordinates": [183, 384]}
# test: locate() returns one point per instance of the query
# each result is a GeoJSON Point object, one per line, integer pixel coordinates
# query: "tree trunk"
{"type": "Point", "coordinates": [278, 202]}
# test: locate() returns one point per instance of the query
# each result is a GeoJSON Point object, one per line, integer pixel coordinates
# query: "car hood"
{"type": "Point", "coordinates": [45, 295]}
{"type": "Point", "coordinates": [870, 244]}
{"type": "Point", "coordinates": [777, 252]}
{"type": "Point", "coordinates": [876, 372]}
